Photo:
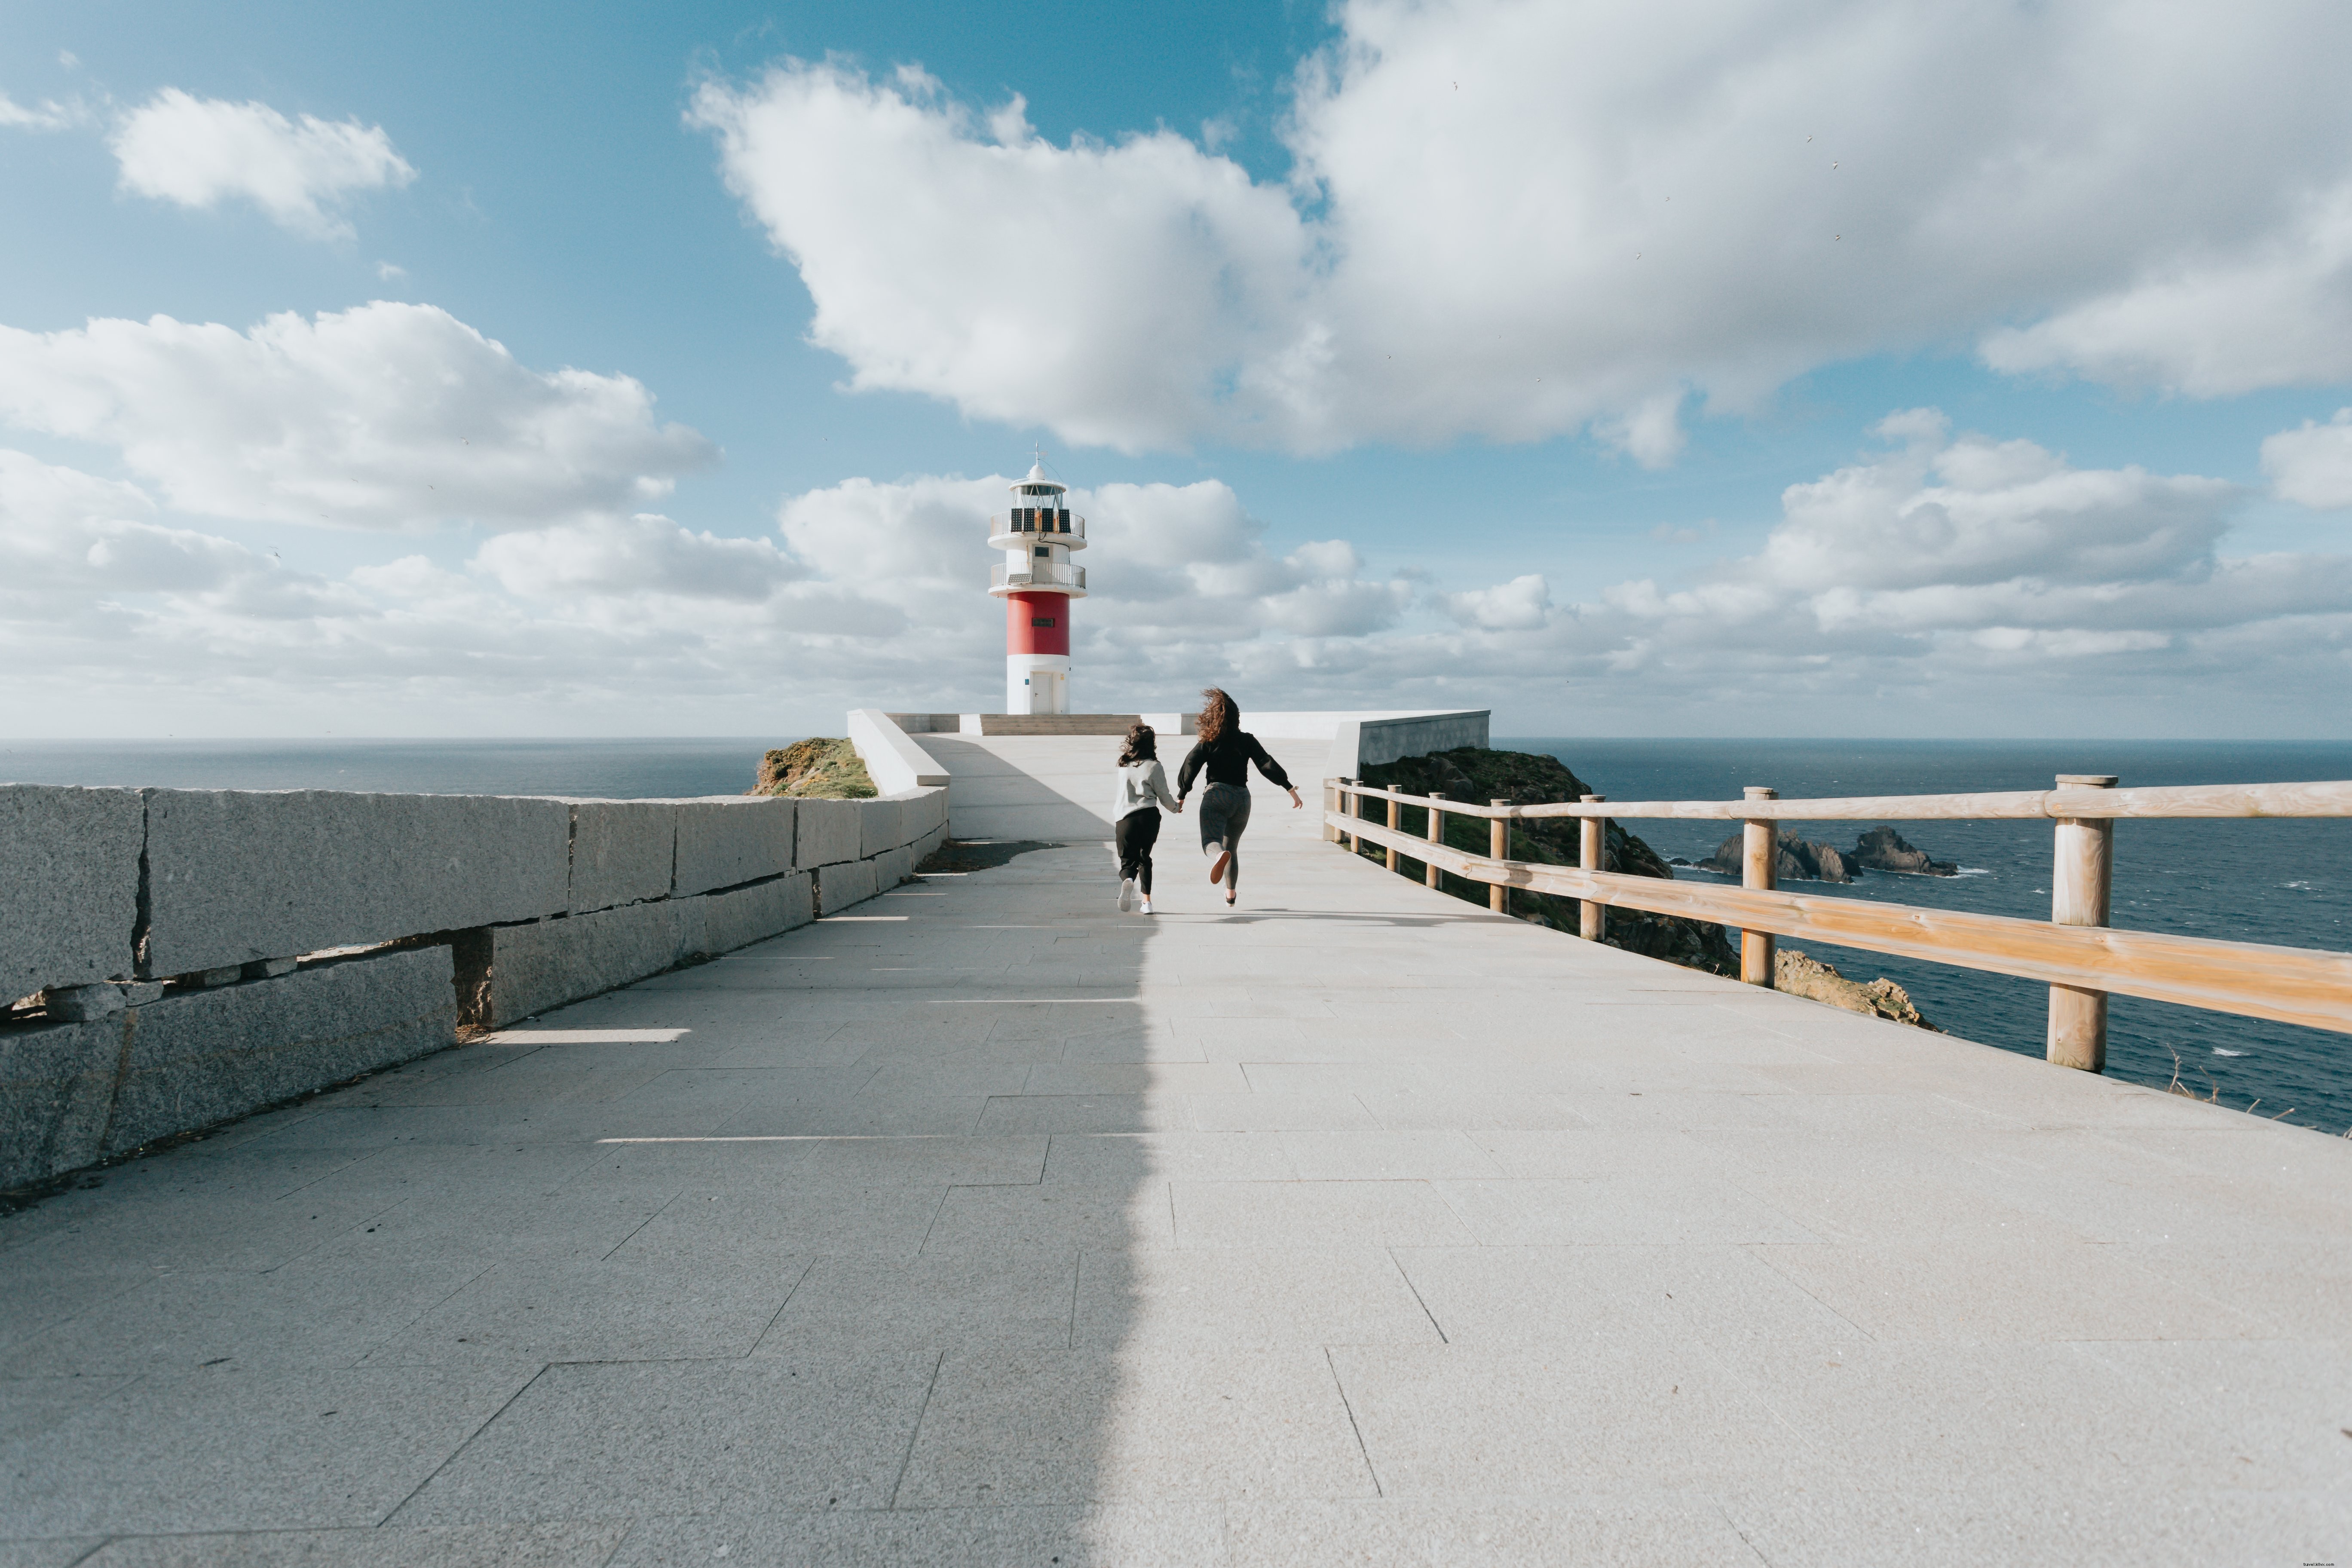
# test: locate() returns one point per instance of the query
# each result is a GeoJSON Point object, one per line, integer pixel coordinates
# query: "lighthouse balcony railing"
{"type": "Point", "coordinates": [1039, 576]}
{"type": "Point", "coordinates": [1009, 530]}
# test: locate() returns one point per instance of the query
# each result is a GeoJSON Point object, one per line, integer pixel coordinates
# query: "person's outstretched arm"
{"type": "Point", "coordinates": [1158, 779]}
{"type": "Point", "coordinates": [1189, 771]}
{"type": "Point", "coordinates": [1273, 771]}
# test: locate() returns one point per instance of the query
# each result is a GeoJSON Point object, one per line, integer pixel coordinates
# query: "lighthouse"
{"type": "Point", "coordinates": [1037, 582]}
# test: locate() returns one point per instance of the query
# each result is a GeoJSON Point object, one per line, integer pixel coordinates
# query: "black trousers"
{"type": "Point", "coordinates": [1137, 832]}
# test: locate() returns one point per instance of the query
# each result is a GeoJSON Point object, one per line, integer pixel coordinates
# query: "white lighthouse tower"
{"type": "Point", "coordinates": [1037, 584]}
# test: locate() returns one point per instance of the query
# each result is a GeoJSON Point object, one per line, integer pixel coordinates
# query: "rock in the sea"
{"type": "Point", "coordinates": [1801, 977]}
{"type": "Point", "coordinates": [1883, 849]}
{"type": "Point", "coordinates": [1802, 860]}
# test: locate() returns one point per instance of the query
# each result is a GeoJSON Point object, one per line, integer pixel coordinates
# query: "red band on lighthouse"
{"type": "Point", "coordinates": [1036, 623]}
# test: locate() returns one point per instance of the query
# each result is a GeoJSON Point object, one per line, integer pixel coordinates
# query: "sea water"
{"type": "Point", "coordinates": [593, 770]}
{"type": "Point", "coordinates": [2288, 884]}
{"type": "Point", "coordinates": [2283, 883]}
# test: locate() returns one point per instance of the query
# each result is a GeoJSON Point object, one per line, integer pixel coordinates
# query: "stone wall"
{"type": "Point", "coordinates": [182, 957]}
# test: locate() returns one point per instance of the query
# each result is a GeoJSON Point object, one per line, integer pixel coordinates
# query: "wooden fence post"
{"type": "Point", "coordinates": [1354, 809]}
{"type": "Point", "coordinates": [1436, 835]}
{"type": "Point", "coordinates": [1393, 808]}
{"type": "Point", "coordinates": [1332, 796]}
{"type": "Point", "coordinates": [2082, 875]}
{"type": "Point", "coordinates": [1593, 854]}
{"type": "Point", "coordinates": [1498, 847]}
{"type": "Point", "coordinates": [1759, 867]}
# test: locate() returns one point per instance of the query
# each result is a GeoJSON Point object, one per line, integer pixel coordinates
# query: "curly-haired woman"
{"type": "Point", "coordinates": [1227, 752]}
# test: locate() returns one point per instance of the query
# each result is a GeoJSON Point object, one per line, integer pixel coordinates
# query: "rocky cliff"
{"type": "Point", "coordinates": [1479, 775]}
{"type": "Point", "coordinates": [1799, 975]}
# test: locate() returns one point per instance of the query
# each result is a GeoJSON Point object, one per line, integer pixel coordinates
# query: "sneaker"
{"type": "Point", "coordinates": [1125, 894]}
{"type": "Point", "coordinates": [1217, 867]}
{"type": "Point", "coordinates": [1229, 901]}
{"type": "Point", "coordinates": [1147, 907]}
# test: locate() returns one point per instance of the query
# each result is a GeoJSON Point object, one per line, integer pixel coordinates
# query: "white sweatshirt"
{"type": "Point", "coordinates": [1141, 786]}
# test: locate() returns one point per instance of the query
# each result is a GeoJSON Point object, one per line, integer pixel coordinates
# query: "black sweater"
{"type": "Point", "coordinates": [1228, 758]}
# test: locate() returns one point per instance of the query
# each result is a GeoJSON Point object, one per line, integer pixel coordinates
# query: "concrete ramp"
{"type": "Point", "coordinates": [1056, 789]}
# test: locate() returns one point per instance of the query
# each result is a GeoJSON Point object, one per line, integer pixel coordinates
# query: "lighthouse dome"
{"type": "Point", "coordinates": [1035, 483]}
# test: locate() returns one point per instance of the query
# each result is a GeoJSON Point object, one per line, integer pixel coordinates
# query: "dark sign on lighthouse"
{"type": "Point", "coordinates": [1037, 584]}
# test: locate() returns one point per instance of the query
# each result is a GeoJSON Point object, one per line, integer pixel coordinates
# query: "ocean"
{"type": "Point", "coordinates": [2284, 883]}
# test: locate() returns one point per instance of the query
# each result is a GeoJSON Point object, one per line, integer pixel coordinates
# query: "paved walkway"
{"type": "Point", "coordinates": [988, 1225]}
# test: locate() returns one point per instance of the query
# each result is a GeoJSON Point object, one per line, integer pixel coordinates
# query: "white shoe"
{"type": "Point", "coordinates": [1125, 894]}
{"type": "Point", "coordinates": [1146, 906]}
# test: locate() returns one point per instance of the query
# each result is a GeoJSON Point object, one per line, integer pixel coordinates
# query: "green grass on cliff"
{"type": "Point", "coordinates": [819, 768]}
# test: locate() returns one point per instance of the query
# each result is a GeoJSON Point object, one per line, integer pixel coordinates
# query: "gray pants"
{"type": "Point", "coordinates": [1224, 814]}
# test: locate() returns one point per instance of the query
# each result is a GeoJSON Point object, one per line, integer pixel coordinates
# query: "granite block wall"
{"type": "Point", "coordinates": [69, 886]}
{"type": "Point", "coordinates": [623, 852]}
{"type": "Point", "coordinates": [727, 843]}
{"type": "Point", "coordinates": [239, 875]}
{"type": "Point", "coordinates": [186, 956]}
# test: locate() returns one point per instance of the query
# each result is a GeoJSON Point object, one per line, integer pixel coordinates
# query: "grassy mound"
{"type": "Point", "coordinates": [819, 768]}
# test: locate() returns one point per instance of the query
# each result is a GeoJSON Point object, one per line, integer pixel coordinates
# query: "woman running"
{"type": "Point", "coordinates": [1135, 812]}
{"type": "Point", "coordinates": [1226, 751]}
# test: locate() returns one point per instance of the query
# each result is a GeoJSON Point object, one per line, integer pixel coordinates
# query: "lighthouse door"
{"type": "Point", "coordinates": [1046, 691]}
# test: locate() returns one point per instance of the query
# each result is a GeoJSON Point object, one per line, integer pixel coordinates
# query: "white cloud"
{"type": "Point", "coordinates": [47, 115]}
{"type": "Point", "coordinates": [2312, 465]}
{"type": "Point", "coordinates": [1974, 511]}
{"type": "Point", "coordinates": [1099, 289]}
{"type": "Point", "coordinates": [198, 152]}
{"type": "Point", "coordinates": [640, 555]}
{"type": "Point", "coordinates": [1523, 604]}
{"type": "Point", "coordinates": [2270, 309]}
{"type": "Point", "coordinates": [386, 415]}
{"type": "Point", "coordinates": [1511, 220]}
{"type": "Point", "coordinates": [1943, 583]}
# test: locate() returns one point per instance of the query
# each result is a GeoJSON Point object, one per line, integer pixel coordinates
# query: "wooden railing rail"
{"type": "Point", "coordinates": [2076, 952]}
{"type": "Point", "coordinates": [2284, 800]}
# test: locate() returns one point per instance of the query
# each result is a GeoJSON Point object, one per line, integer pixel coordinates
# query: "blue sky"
{"type": "Point", "coordinates": [1189, 267]}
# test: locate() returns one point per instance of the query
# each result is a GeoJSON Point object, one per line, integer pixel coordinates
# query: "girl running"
{"type": "Point", "coordinates": [1227, 752]}
{"type": "Point", "coordinates": [1135, 812]}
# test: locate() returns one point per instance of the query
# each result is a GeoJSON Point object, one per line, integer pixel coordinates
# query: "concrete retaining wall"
{"type": "Point", "coordinates": [239, 875]}
{"type": "Point", "coordinates": [187, 955]}
{"type": "Point", "coordinates": [69, 885]}
{"type": "Point", "coordinates": [74, 1093]}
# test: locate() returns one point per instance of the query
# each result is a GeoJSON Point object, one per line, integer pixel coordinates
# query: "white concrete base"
{"type": "Point", "coordinates": [1056, 789]}
{"type": "Point", "coordinates": [1036, 683]}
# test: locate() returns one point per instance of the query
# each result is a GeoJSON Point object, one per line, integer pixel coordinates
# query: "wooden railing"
{"type": "Point", "coordinates": [2075, 953]}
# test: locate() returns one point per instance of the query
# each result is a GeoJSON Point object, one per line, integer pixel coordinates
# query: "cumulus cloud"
{"type": "Point", "coordinates": [1509, 219]}
{"type": "Point", "coordinates": [1100, 289]}
{"type": "Point", "coordinates": [1523, 604]}
{"type": "Point", "coordinates": [383, 417]}
{"type": "Point", "coordinates": [199, 151]}
{"type": "Point", "coordinates": [47, 115]}
{"type": "Point", "coordinates": [645, 554]}
{"type": "Point", "coordinates": [2312, 465]}
{"type": "Point", "coordinates": [1984, 581]}
{"type": "Point", "coordinates": [2227, 316]}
